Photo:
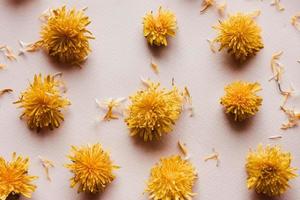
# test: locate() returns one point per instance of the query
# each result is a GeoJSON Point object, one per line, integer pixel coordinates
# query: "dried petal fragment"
{"type": "Point", "coordinates": [277, 68]}
{"type": "Point", "coordinates": [8, 52]}
{"type": "Point", "coordinates": [213, 156]}
{"type": "Point", "coordinates": [206, 4]}
{"type": "Point", "coordinates": [155, 67]}
{"type": "Point", "coordinates": [255, 14]}
{"type": "Point", "coordinates": [212, 45]}
{"type": "Point", "coordinates": [47, 164]}
{"type": "Point", "coordinates": [188, 99]}
{"type": "Point", "coordinates": [110, 104]}
{"type": "Point", "coordinates": [183, 149]}
{"type": "Point", "coordinates": [27, 47]}
{"type": "Point", "coordinates": [295, 21]}
{"type": "Point", "coordinates": [7, 90]}
{"type": "Point", "coordinates": [293, 118]}
{"type": "Point", "coordinates": [221, 8]}
{"type": "Point", "coordinates": [278, 5]}
{"type": "Point", "coordinates": [273, 137]}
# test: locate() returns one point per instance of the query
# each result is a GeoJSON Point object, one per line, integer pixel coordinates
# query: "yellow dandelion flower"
{"type": "Point", "coordinates": [92, 168]}
{"type": "Point", "coordinates": [269, 170]}
{"type": "Point", "coordinates": [241, 100]}
{"type": "Point", "coordinates": [42, 103]}
{"type": "Point", "coordinates": [14, 178]}
{"type": "Point", "coordinates": [158, 28]}
{"type": "Point", "coordinates": [65, 36]}
{"type": "Point", "coordinates": [240, 35]}
{"type": "Point", "coordinates": [153, 111]}
{"type": "Point", "coordinates": [172, 178]}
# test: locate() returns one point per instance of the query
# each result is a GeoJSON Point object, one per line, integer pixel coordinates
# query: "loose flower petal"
{"type": "Point", "coordinates": [110, 104]}
{"type": "Point", "coordinates": [213, 156]}
{"type": "Point", "coordinates": [206, 4]}
{"type": "Point", "coordinates": [47, 164]}
{"type": "Point", "coordinates": [278, 5]}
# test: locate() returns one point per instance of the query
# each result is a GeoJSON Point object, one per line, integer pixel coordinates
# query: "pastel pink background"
{"type": "Point", "coordinates": [120, 57]}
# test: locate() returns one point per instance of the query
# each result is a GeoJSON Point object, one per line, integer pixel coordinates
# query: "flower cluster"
{"type": "Point", "coordinates": [158, 28]}
{"type": "Point", "coordinates": [172, 178]}
{"type": "Point", "coordinates": [240, 35]}
{"type": "Point", "coordinates": [14, 178]}
{"type": "Point", "coordinates": [42, 103]}
{"type": "Point", "coordinates": [269, 170]}
{"type": "Point", "coordinates": [92, 168]}
{"type": "Point", "coordinates": [241, 100]}
{"type": "Point", "coordinates": [65, 36]}
{"type": "Point", "coordinates": [154, 111]}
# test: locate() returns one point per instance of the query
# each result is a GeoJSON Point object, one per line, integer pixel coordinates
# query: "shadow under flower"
{"type": "Point", "coordinates": [17, 3]}
{"type": "Point", "coordinates": [230, 62]}
{"type": "Point", "coordinates": [153, 145]}
{"type": "Point", "coordinates": [238, 126]}
{"type": "Point", "coordinates": [159, 51]}
{"type": "Point", "coordinates": [255, 196]}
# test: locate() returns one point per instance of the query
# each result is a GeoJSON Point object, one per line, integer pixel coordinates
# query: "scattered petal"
{"type": "Point", "coordinates": [221, 8]}
{"type": "Point", "coordinates": [255, 14]}
{"type": "Point", "coordinates": [206, 4]}
{"type": "Point", "coordinates": [155, 67]}
{"type": "Point", "coordinates": [213, 156]}
{"type": "Point", "coordinates": [273, 137]}
{"type": "Point", "coordinates": [47, 164]}
{"type": "Point", "coordinates": [293, 118]}
{"type": "Point", "coordinates": [45, 15]}
{"type": "Point", "coordinates": [188, 99]}
{"type": "Point", "coordinates": [277, 68]}
{"type": "Point", "coordinates": [212, 45]}
{"type": "Point", "coordinates": [110, 104]}
{"type": "Point", "coordinates": [26, 47]}
{"type": "Point", "coordinates": [278, 5]}
{"type": "Point", "coordinates": [183, 149]}
{"type": "Point", "coordinates": [7, 90]}
{"type": "Point", "coordinates": [295, 21]}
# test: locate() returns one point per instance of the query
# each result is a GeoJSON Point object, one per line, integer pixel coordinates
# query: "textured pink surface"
{"type": "Point", "coordinates": [120, 57]}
